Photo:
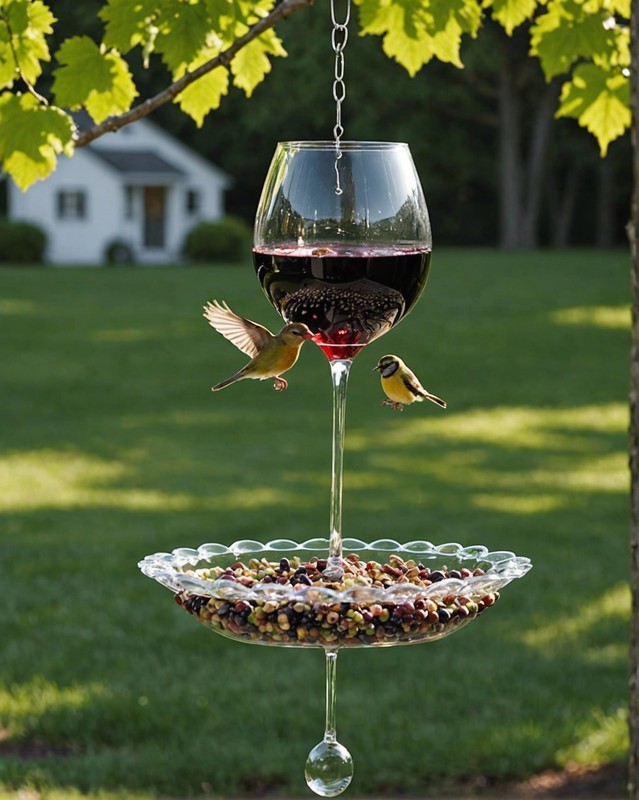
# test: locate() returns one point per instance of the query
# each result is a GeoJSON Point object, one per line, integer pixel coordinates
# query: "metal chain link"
{"type": "Point", "coordinates": [339, 38]}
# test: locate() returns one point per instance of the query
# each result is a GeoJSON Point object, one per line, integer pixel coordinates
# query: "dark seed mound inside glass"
{"type": "Point", "coordinates": [311, 618]}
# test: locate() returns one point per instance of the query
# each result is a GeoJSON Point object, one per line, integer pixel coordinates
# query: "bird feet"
{"type": "Point", "coordinates": [393, 405]}
{"type": "Point", "coordinates": [280, 384]}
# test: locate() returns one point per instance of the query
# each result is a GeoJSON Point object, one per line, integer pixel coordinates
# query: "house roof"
{"type": "Point", "coordinates": [145, 162]}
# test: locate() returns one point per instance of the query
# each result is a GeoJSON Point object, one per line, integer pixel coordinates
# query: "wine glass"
{"type": "Point", "coordinates": [342, 243]}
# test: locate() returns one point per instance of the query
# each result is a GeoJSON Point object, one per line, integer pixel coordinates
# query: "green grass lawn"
{"type": "Point", "coordinates": [113, 446]}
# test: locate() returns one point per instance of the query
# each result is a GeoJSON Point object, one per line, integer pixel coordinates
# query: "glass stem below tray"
{"type": "Point", "coordinates": [329, 766]}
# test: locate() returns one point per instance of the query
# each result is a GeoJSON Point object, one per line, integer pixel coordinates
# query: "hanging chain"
{"type": "Point", "coordinates": [339, 38]}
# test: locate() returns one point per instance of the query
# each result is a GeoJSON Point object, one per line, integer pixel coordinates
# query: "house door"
{"type": "Point", "coordinates": [154, 216]}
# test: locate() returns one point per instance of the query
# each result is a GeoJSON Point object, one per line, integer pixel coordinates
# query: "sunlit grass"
{"type": "Point", "coordinates": [13, 306]}
{"type": "Point", "coordinates": [598, 739]}
{"type": "Point", "coordinates": [613, 605]}
{"type": "Point", "coordinates": [572, 464]}
{"type": "Point", "coordinates": [506, 427]}
{"type": "Point", "coordinates": [63, 480]}
{"type": "Point", "coordinates": [598, 316]}
{"type": "Point", "coordinates": [23, 702]}
{"type": "Point", "coordinates": [114, 446]}
{"type": "Point", "coordinates": [67, 479]}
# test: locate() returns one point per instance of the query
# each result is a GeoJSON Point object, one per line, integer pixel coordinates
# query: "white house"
{"type": "Point", "coordinates": [139, 189]}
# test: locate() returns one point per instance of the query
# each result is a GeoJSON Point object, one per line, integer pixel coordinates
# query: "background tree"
{"type": "Point", "coordinates": [633, 235]}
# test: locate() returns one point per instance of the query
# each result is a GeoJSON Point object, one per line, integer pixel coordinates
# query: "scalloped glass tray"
{"type": "Point", "coordinates": [390, 593]}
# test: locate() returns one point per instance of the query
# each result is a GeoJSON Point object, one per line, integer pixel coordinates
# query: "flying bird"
{"type": "Point", "coordinates": [270, 354]}
{"type": "Point", "coordinates": [401, 385]}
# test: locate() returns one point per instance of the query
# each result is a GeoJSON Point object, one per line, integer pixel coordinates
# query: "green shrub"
{"type": "Point", "coordinates": [119, 252]}
{"type": "Point", "coordinates": [226, 240]}
{"type": "Point", "coordinates": [21, 242]}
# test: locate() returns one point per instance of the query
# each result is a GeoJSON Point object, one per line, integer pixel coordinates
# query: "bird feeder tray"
{"type": "Point", "coordinates": [389, 594]}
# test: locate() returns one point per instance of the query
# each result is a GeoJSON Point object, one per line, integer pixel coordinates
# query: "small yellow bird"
{"type": "Point", "coordinates": [270, 354]}
{"type": "Point", "coordinates": [401, 385]}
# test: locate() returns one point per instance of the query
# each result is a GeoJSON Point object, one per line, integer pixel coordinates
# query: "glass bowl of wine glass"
{"type": "Point", "coordinates": [342, 243]}
{"type": "Point", "coordinates": [389, 594]}
{"type": "Point", "coordinates": [342, 239]}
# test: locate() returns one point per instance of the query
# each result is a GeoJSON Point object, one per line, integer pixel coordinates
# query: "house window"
{"type": "Point", "coordinates": [193, 201]}
{"type": "Point", "coordinates": [129, 202]}
{"type": "Point", "coordinates": [71, 204]}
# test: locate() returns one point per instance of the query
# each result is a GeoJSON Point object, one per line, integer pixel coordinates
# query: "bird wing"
{"type": "Point", "coordinates": [412, 384]}
{"type": "Point", "coordinates": [247, 336]}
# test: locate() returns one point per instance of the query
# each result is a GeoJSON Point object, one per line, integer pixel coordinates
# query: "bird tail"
{"type": "Point", "coordinates": [433, 399]}
{"type": "Point", "coordinates": [237, 377]}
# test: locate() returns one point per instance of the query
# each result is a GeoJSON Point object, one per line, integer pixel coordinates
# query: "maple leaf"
{"type": "Point", "coordinates": [94, 78]}
{"type": "Point", "coordinates": [415, 31]}
{"type": "Point", "coordinates": [204, 95]}
{"type": "Point", "coordinates": [511, 13]}
{"type": "Point", "coordinates": [251, 65]}
{"type": "Point", "coordinates": [183, 29]}
{"type": "Point", "coordinates": [567, 31]}
{"type": "Point", "coordinates": [599, 101]}
{"type": "Point", "coordinates": [31, 137]}
{"type": "Point", "coordinates": [128, 23]}
{"type": "Point", "coordinates": [24, 26]}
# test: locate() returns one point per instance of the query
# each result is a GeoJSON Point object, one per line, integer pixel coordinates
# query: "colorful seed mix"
{"type": "Point", "coordinates": [313, 619]}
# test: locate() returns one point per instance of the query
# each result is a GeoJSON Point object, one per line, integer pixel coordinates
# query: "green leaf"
{"type": "Point", "coordinates": [620, 7]}
{"type": "Point", "coordinates": [31, 137]}
{"type": "Point", "coordinates": [414, 31]}
{"type": "Point", "coordinates": [205, 94]}
{"type": "Point", "coordinates": [183, 30]}
{"type": "Point", "coordinates": [465, 14]}
{"type": "Point", "coordinates": [99, 81]}
{"type": "Point", "coordinates": [248, 12]}
{"type": "Point", "coordinates": [618, 58]}
{"type": "Point", "coordinates": [251, 64]}
{"type": "Point", "coordinates": [511, 13]}
{"type": "Point", "coordinates": [373, 16]}
{"type": "Point", "coordinates": [231, 19]}
{"type": "Point", "coordinates": [599, 101]}
{"type": "Point", "coordinates": [8, 70]}
{"type": "Point", "coordinates": [568, 31]}
{"type": "Point", "coordinates": [24, 24]}
{"type": "Point", "coordinates": [406, 41]}
{"type": "Point", "coordinates": [129, 23]}
{"type": "Point", "coordinates": [119, 97]}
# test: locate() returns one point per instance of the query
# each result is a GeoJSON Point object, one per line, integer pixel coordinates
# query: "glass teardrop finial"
{"type": "Point", "coordinates": [329, 768]}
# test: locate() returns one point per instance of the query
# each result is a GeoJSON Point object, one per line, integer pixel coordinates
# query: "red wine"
{"type": "Point", "coordinates": [346, 296]}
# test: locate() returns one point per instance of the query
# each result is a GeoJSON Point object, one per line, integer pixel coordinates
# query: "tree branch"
{"type": "Point", "coordinates": [280, 12]}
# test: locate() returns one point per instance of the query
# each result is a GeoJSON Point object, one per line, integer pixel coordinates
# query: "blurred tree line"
{"type": "Point", "coordinates": [496, 167]}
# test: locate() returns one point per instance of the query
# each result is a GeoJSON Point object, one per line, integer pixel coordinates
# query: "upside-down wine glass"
{"type": "Point", "coordinates": [342, 243]}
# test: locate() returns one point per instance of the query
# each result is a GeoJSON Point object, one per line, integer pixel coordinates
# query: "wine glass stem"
{"type": "Point", "coordinates": [330, 731]}
{"type": "Point", "coordinates": [340, 369]}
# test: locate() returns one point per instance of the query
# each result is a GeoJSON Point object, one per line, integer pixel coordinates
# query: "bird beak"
{"type": "Point", "coordinates": [376, 367]}
{"type": "Point", "coordinates": [308, 335]}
